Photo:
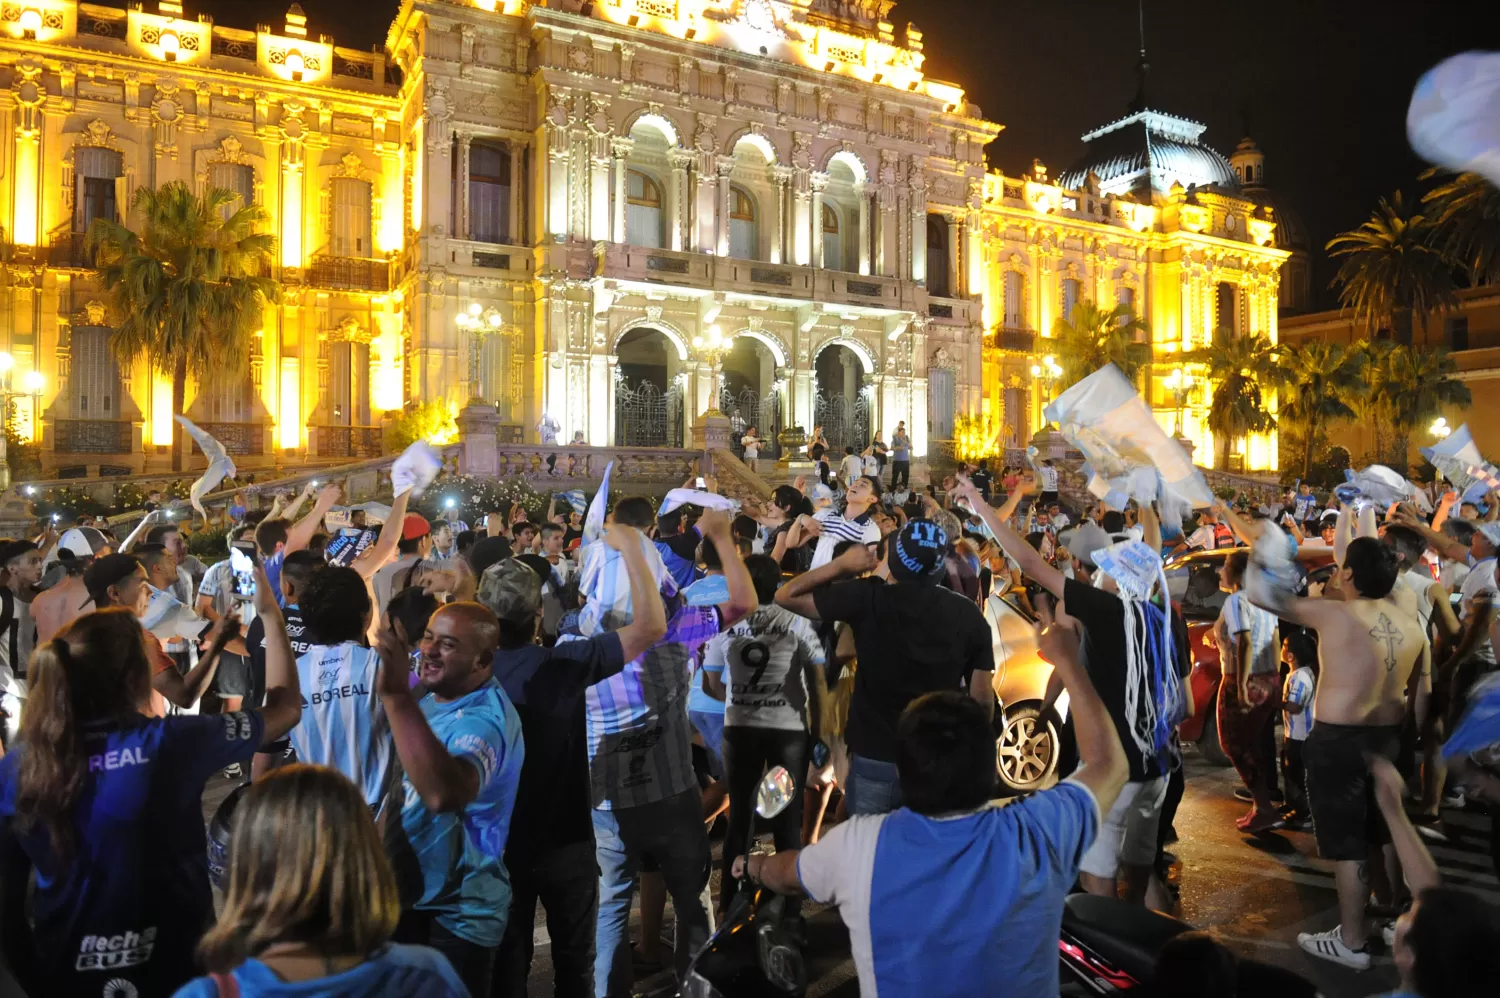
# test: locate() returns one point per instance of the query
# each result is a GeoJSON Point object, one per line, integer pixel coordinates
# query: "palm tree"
{"type": "Point", "coordinates": [1422, 385]}
{"type": "Point", "coordinates": [1242, 368]}
{"type": "Point", "coordinates": [1394, 271]}
{"type": "Point", "coordinates": [1327, 377]}
{"type": "Point", "coordinates": [1466, 223]}
{"type": "Point", "coordinates": [190, 288]}
{"type": "Point", "coordinates": [1094, 337]}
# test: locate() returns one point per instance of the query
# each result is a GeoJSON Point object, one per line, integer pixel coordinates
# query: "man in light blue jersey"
{"type": "Point", "coordinates": [343, 724]}
{"type": "Point", "coordinates": [460, 749]}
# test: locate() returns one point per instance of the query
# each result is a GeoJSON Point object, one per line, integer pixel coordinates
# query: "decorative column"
{"type": "Point", "coordinates": [678, 200]}
{"type": "Point", "coordinates": [955, 261]}
{"type": "Point", "coordinates": [801, 224]}
{"type": "Point", "coordinates": [518, 235]}
{"type": "Point", "coordinates": [885, 198]}
{"type": "Point", "coordinates": [782, 177]}
{"type": "Point", "coordinates": [600, 154]}
{"type": "Point", "coordinates": [555, 129]}
{"type": "Point", "coordinates": [620, 149]}
{"type": "Point", "coordinates": [725, 168]}
{"type": "Point", "coordinates": [819, 184]}
{"type": "Point", "coordinates": [917, 185]}
{"type": "Point", "coordinates": [862, 195]}
{"type": "Point", "coordinates": [974, 246]}
{"type": "Point", "coordinates": [463, 229]}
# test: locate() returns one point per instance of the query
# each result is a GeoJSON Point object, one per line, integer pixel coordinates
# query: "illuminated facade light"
{"type": "Point", "coordinates": [31, 23]}
{"type": "Point", "coordinates": [170, 45]}
{"type": "Point", "coordinates": [295, 65]}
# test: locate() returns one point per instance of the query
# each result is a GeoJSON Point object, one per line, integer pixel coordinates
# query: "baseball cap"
{"type": "Point", "coordinates": [512, 590]}
{"type": "Point", "coordinates": [486, 551]}
{"type": "Point", "coordinates": [108, 571]}
{"type": "Point", "coordinates": [415, 525]}
{"type": "Point", "coordinates": [916, 554]}
{"type": "Point", "coordinates": [14, 549]}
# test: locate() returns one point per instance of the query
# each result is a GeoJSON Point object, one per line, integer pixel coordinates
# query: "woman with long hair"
{"type": "Point", "coordinates": [106, 803]}
{"type": "Point", "coordinates": [312, 912]}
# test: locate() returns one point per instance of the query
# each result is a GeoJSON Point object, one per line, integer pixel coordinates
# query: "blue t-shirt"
{"type": "Point", "coordinates": [935, 904]}
{"type": "Point", "coordinates": [273, 574]}
{"type": "Point", "coordinates": [459, 856]}
{"type": "Point", "coordinates": [394, 972]}
{"type": "Point", "coordinates": [679, 553]}
{"type": "Point", "coordinates": [134, 899]}
{"type": "Point", "coordinates": [343, 724]}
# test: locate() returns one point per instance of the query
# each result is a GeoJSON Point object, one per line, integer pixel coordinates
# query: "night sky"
{"type": "Point", "coordinates": [1322, 85]}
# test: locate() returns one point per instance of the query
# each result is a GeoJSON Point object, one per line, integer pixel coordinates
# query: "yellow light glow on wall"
{"type": "Point", "coordinates": [289, 418]}
{"type": "Point", "coordinates": [23, 217]}
{"type": "Point", "coordinates": [387, 382]}
{"type": "Point", "coordinates": [1260, 452]}
{"type": "Point", "coordinates": [388, 238]}
{"type": "Point", "coordinates": [161, 408]}
{"type": "Point", "coordinates": [291, 218]}
{"type": "Point", "coordinates": [43, 21]}
{"type": "Point", "coordinates": [416, 178]}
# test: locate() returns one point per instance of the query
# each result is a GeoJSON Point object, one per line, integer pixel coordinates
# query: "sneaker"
{"type": "Point", "coordinates": [1296, 821]}
{"type": "Point", "coordinates": [1455, 799]}
{"type": "Point", "coordinates": [1330, 946]}
{"type": "Point", "coordinates": [233, 771]}
{"type": "Point", "coordinates": [1388, 932]}
{"type": "Point", "coordinates": [1243, 793]}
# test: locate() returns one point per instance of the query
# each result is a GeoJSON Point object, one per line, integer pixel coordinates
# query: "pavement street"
{"type": "Point", "coordinates": [1254, 893]}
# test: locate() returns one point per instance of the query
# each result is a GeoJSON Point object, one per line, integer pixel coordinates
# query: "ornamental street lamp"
{"type": "Point", "coordinates": [713, 348]}
{"type": "Point", "coordinates": [1181, 384]}
{"type": "Point", "coordinates": [1048, 371]}
{"type": "Point", "coordinates": [480, 323]}
{"type": "Point", "coordinates": [32, 384]}
{"type": "Point", "coordinates": [1440, 428]}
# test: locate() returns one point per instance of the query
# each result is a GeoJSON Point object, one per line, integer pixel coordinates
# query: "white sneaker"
{"type": "Point", "coordinates": [1330, 946]}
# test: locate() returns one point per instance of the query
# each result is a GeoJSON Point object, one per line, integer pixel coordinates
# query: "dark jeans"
{"type": "Point", "coordinates": [473, 963]}
{"type": "Point", "coordinates": [748, 753]}
{"type": "Point", "coordinates": [1176, 785]}
{"type": "Point", "coordinates": [566, 881]}
{"type": "Point", "coordinates": [874, 786]}
{"type": "Point", "coordinates": [671, 831]}
{"type": "Point", "coordinates": [900, 474]}
{"type": "Point", "coordinates": [1294, 776]}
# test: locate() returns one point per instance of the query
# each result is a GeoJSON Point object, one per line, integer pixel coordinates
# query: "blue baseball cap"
{"type": "Point", "coordinates": [917, 553]}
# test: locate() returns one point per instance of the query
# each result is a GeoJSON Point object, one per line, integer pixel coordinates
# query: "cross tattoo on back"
{"type": "Point", "coordinates": [1385, 633]}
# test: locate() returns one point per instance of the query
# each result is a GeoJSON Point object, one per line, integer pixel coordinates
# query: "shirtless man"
{"type": "Point", "coordinates": [1371, 652]}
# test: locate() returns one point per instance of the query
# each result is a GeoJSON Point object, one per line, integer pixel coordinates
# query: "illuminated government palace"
{"type": "Point", "coordinates": [570, 211]}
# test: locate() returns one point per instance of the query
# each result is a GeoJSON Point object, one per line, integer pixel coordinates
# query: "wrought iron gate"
{"type": "Point", "coordinates": [845, 423]}
{"type": "Point", "coordinates": [647, 416]}
{"type": "Point", "coordinates": [748, 409]}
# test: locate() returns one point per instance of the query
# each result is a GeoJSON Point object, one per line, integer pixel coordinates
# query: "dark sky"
{"type": "Point", "coordinates": [1322, 85]}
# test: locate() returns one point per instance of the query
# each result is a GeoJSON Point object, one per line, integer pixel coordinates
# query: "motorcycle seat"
{"type": "Point", "coordinates": [1125, 934]}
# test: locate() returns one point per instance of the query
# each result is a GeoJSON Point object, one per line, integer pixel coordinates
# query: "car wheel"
{"type": "Point", "coordinates": [1208, 742]}
{"type": "Point", "coordinates": [1026, 750]}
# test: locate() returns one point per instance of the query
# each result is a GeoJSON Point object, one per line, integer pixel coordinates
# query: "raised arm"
{"type": "Point", "coordinates": [283, 707]}
{"type": "Point", "coordinates": [1444, 507]}
{"type": "Point", "coordinates": [184, 691]}
{"type": "Point", "coordinates": [1103, 767]}
{"type": "Point", "coordinates": [796, 595]}
{"type": "Point", "coordinates": [714, 525]}
{"type": "Point", "coordinates": [290, 512]}
{"type": "Point", "coordinates": [138, 532]}
{"type": "Point", "coordinates": [1438, 541]}
{"type": "Point", "coordinates": [1315, 613]}
{"type": "Point", "coordinates": [1032, 564]}
{"type": "Point", "coordinates": [444, 783]}
{"type": "Point", "coordinates": [380, 552]}
{"type": "Point", "coordinates": [1343, 533]}
{"type": "Point", "coordinates": [648, 625]}
{"type": "Point", "coordinates": [301, 533]}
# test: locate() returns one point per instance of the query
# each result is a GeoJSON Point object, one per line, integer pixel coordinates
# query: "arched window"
{"type": "Point", "coordinates": [1015, 300]}
{"type": "Point", "coordinates": [744, 239]}
{"type": "Point", "coordinates": [1071, 291]}
{"type": "Point", "coordinates": [1226, 316]}
{"type": "Point", "coordinates": [939, 280]}
{"type": "Point", "coordinates": [489, 192]}
{"type": "Point", "coordinates": [643, 210]}
{"type": "Point", "coordinates": [349, 221]}
{"type": "Point", "coordinates": [235, 177]}
{"type": "Point", "coordinates": [833, 243]}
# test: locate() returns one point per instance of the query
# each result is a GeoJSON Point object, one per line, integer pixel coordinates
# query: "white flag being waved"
{"type": "Point", "coordinates": [220, 464]}
{"type": "Point", "coordinates": [415, 469]}
{"type": "Point", "coordinates": [1129, 452]}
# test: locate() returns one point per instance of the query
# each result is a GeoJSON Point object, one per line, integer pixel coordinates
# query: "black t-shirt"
{"type": "Point", "coordinates": [911, 638]}
{"type": "Point", "coordinates": [982, 480]}
{"type": "Point", "coordinates": [554, 801]}
{"type": "Point", "coordinates": [255, 644]}
{"type": "Point", "coordinates": [796, 560]}
{"type": "Point", "coordinates": [1102, 615]}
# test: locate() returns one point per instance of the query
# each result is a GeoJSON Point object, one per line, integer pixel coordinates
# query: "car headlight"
{"type": "Point", "coordinates": [695, 985]}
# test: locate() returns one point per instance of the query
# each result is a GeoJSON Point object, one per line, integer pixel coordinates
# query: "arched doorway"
{"type": "Point", "coordinates": [747, 393]}
{"type": "Point", "coordinates": [648, 391]}
{"type": "Point", "coordinates": [840, 406]}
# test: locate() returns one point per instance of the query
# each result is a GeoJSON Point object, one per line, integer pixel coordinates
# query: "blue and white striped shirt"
{"type": "Point", "coordinates": [1241, 615]}
{"type": "Point", "coordinates": [343, 722]}
{"type": "Point", "coordinates": [836, 528]}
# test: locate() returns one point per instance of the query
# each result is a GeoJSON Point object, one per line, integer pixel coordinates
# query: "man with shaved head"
{"type": "Point", "coordinates": [459, 740]}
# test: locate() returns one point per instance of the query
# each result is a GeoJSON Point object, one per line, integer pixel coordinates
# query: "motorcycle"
{"type": "Point", "coordinates": [1107, 946]}
{"type": "Point", "coordinates": [757, 951]}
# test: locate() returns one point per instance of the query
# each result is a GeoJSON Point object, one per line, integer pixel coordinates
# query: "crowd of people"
{"type": "Point", "coordinates": [441, 727]}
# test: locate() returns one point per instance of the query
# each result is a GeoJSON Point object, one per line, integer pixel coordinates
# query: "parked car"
{"type": "Point", "coordinates": [1028, 748]}
{"type": "Point", "coordinates": [1193, 581]}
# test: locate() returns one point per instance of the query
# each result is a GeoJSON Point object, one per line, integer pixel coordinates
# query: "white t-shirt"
{"type": "Point", "coordinates": [872, 466]}
{"type": "Point", "coordinates": [1300, 686]}
{"type": "Point", "coordinates": [1048, 478]}
{"type": "Point", "coordinates": [1417, 582]}
{"type": "Point", "coordinates": [1480, 585]}
{"type": "Point", "coordinates": [763, 659]}
{"type": "Point", "coordinates": [752, 446]}
{"type": "Point", "coordinates": [16, 643]}
{"type": "Point", "coordinates": [850, 468]}
{"type": "Point", "coordinates": [835, 529]}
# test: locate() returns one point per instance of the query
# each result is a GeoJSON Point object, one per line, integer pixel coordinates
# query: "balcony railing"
{"type": "Point", "coordinates": [238, 438]}
{"type": "Point", "coordinates": [1015, 340]}
{"type": "Point", "coordinates": [92, 436]}
{"type": "Point", "coordinates": [67, 251]}
{"type": "Point", "coordinates": [348, 273]}
{"type": "Point", "coordinates": [347, 441]}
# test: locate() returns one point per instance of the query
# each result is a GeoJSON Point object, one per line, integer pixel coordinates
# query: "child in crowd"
{"type": "Point", "coordinates": [1300, 654]}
